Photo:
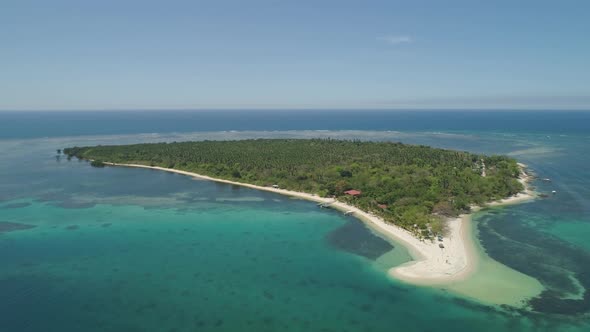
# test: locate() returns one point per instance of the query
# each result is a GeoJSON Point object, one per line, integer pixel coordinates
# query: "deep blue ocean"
{"type": "Point", "coordinates": [71, 123]}
{"type": "Point", "coordinates": [115, 249]}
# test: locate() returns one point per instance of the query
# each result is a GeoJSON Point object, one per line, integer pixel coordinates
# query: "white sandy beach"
{"type": "Point", "coordinates": [432, 265]}
{"type": "Point", "coordinates": [458, 259]}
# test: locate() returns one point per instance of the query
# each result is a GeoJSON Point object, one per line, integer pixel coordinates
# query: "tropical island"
{"type": "Point", "coordinates": [414, 194]}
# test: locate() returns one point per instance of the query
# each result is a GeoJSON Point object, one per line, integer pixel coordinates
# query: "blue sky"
{"type": "Point", "coordinates": [294, 54]}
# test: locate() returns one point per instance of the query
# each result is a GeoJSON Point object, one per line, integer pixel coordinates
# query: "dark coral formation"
{"type": "Point", "coordinates": [7, 226]}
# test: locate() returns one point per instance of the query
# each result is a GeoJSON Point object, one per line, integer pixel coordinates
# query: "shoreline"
{"type": "Point", "coordinates": [430, 265]}
{"type": "Point", "coordinates": [462, 257]}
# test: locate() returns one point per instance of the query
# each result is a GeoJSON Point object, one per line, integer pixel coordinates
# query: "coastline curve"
{"type": "Point", "coordinates": [431, 265]}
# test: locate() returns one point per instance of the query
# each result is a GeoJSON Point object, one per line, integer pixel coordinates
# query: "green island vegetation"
{"type": "Point", "coordinates": [412, 186]}
{"type": "Point", "coordinates": [96, 163]}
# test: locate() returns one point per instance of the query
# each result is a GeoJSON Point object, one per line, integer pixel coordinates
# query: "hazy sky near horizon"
{"type": "Point", "coordinates": [294, 54]}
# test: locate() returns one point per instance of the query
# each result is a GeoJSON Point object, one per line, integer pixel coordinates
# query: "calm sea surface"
{"type": "Point", "coordinates": [114, 249]}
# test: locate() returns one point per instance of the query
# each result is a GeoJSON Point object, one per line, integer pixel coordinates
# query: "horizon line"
{"type": "Point", "coordinates": [213, 109]}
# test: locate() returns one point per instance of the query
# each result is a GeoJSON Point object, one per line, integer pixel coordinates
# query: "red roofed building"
{"type": "Point", "coordinates": [353, 192]}
{"type": "Point", "coordinates": [383, 206]}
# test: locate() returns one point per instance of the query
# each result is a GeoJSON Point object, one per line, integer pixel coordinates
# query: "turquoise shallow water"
{"type": "Point", "coordinates": [137, 250]}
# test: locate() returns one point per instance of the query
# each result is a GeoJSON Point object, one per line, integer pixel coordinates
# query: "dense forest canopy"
{"type": "Point", "coordinates": [409, 185]}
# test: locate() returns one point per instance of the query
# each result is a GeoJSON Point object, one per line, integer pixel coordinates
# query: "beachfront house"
{"type": "Point", "coordinates": [353, 192]}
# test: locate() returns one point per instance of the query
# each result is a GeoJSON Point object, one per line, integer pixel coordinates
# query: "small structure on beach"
{"type": "Point", "coordinates": [325, 204]}
{"type": "Point", "coordinates": [440, 245]}
{"type": "Point", "coordinates": [276, 186]}
{"type": "Point", "coordinates": [353, 192]}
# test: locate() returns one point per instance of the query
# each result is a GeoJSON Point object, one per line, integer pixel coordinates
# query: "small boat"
{"type": "Point", "coordinates": [347, 213]}
{"type": "Point", "coordinates": [325, 204]}
{"type": "Point", "coordinates": [547, 179]}
{"type": "Point", "coordinates": [554, 192]}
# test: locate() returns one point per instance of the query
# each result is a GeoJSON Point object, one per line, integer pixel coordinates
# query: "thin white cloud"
{"type": "Point", "coordinates": [396, 40]}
